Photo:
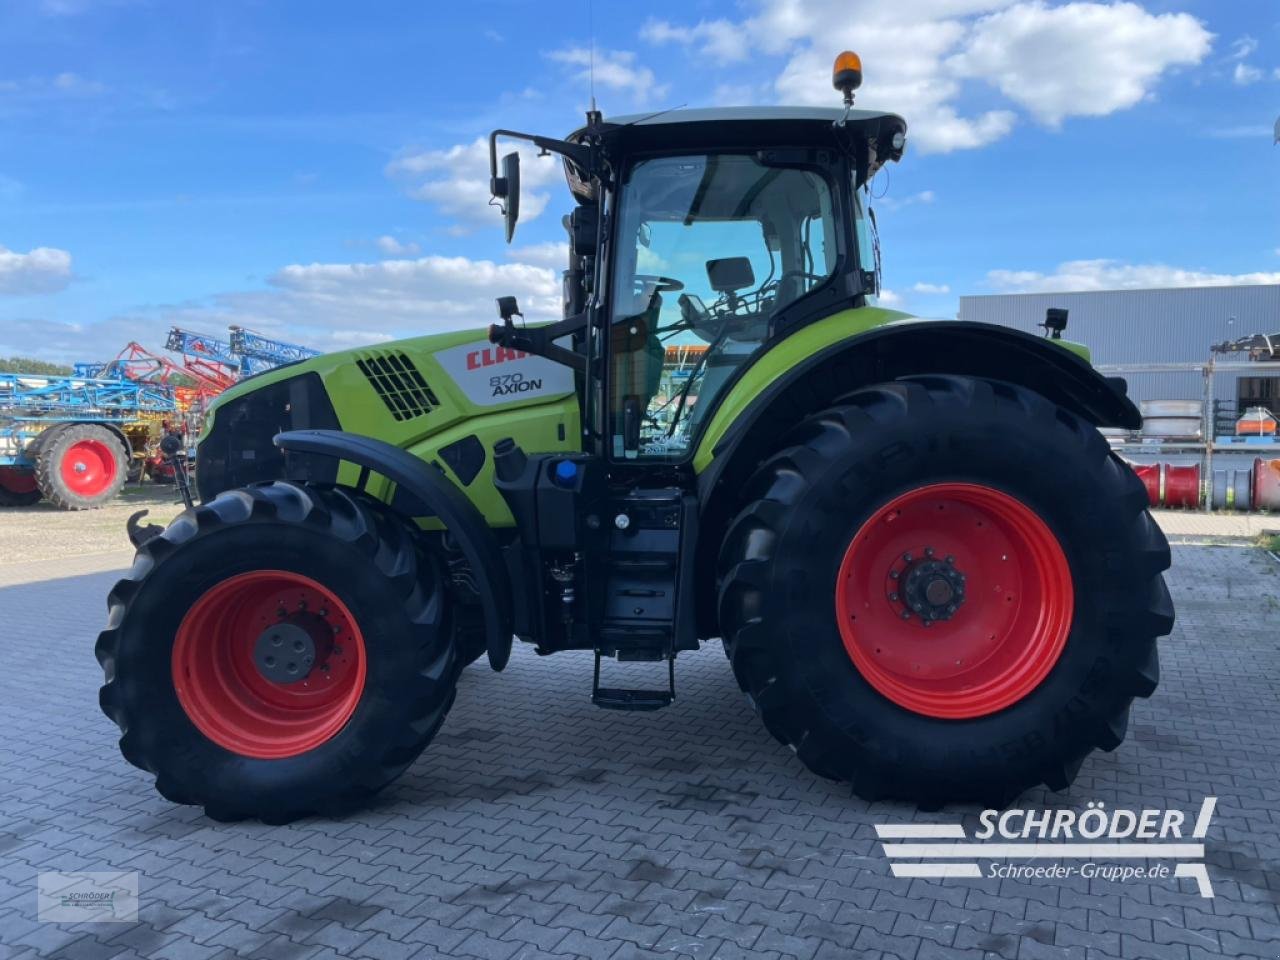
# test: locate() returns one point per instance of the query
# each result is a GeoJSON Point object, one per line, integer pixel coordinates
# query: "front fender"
{"type": "Point", "coordinates": [459, 515]}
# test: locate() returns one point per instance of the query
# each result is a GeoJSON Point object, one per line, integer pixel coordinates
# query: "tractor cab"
{"type": "Point", "coordinates": [705, 236]}
{"type": "Point", "coordinates": [699, 240]}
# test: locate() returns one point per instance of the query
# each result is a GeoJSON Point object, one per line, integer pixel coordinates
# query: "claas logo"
{"type": "Point", "coordinates": [492, 356]}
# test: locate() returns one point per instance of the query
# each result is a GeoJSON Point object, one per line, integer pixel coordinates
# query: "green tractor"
{"type": "Point", "coordinates": [931, 577]}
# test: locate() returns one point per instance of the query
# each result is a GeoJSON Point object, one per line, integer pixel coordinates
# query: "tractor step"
{"type": "Point", "coordinates": [622, 698]}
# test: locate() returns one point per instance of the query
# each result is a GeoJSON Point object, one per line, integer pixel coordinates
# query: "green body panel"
{"type": "Point", "coordinates": [778, 360]}
{"type": "Point", "coordinates": [541, 424]}
{"type": "Point", "coordinates": [805, 342]}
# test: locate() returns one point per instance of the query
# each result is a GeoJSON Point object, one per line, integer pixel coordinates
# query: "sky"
{"type": "Point", "coordinates": [317, 170]}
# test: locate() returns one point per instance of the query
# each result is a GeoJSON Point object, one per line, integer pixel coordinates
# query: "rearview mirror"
{"type": "Point", "coordinates": [507, 189]}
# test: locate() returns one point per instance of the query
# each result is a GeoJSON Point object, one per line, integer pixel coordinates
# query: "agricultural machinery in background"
{"type": "Point", "coordinates": [932, 577]}
{"type": "Point", "coordinates": [76, 440]}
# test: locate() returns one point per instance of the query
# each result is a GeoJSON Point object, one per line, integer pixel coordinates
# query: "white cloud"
{"type": "Point", "coordinates": [721, 40]}
{"type": "Point", "coordinates": [1116, 275]}
{"type": "Point", "coordinates": [43, 270]}
{"type": "Point", "coordinates": [1079, 59]}
{"type": "Point", "coordinates": [1243, 47]}
{"type": "Point", "coordinates": [932, 288]}
{"type": "Point", "coordinates": [552, 254]}
{"type": "Point", "coordinates": [1074, 59]}
{"type": "Point", "coordinates": [1243, 74]}
{"type": "Point", "coordinates": [327, 306]}
{"type": "Point", "coordinates": [888, 298]}
{"type": "Point", "coordinates": [60, 86]}
{"type": "Point", "coordinates": [456, 180]}
{"type": "Point", "coordinates": [890, 202]}
{"type": "Point", "coordinates": [614, 70]}
{"type": "Point", "coordinates": [396, 248]}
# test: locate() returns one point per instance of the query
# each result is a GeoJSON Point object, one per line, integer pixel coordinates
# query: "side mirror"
{"type": "Point", "coordinates": [506, 189]}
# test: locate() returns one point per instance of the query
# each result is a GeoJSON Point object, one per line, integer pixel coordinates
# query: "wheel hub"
{"type": "Point", "coordinates": [286, 652]}
{"type": "Point", "coordinates": [932, 589]}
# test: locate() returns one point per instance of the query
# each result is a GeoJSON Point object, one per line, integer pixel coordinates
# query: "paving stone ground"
{"type": "Point", "coordinates": [539, 826]}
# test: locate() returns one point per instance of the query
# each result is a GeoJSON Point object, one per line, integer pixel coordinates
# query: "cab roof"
{"type": "Point", "coordinates": [749, 128]}
{"type": "Point", "coordinates": [753, 114]}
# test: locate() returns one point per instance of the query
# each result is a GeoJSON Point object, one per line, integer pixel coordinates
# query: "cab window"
{"type": "Point", "coordinates": [709, 249]}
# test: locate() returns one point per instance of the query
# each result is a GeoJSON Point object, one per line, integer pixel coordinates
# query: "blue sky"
{"type": "Point", "coordinates": [313, 169]}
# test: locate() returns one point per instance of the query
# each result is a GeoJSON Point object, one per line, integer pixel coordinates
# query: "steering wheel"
{"type": "Point", "coordinates": [659, 284]}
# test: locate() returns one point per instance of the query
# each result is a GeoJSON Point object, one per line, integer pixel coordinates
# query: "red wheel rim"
{"type": "Point", "coordinates": [88, 467]}
{"type": "Point", "coordinates": [219, 651]}
{"type": "Point", "coordinates": [17, 481]}
{"type": "Point", "coordinates": [992, 593]}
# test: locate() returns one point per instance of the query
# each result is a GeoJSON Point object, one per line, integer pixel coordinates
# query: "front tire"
{"type": "Point", "coordinates": [944, 589]}
{"type": "Point", "coordinates": [278, 652]}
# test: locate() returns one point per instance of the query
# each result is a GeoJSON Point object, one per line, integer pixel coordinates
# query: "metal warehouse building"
{"type": "Point", "coordinates": [1175, 325]}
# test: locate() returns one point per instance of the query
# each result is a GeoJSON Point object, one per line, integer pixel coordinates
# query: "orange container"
{"type": "Point", "coordinates": [1256, 422]}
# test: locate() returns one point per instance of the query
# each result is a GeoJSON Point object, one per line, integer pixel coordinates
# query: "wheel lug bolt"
{"type": "Point", "coordinates": [893, 574]}
{"type": "Point", "coordinates": [893, 596]}
{"type": "Point", "coordinates": [906, 557]}
{"type": "Point", "coordinates": [950, 559]}
{"type": "Point", "coordinates": [906, 614]}
{"type": "Point", "coordinates": [928, 551]}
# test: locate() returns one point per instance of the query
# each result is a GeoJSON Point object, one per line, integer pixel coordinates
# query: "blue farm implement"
{"type": "Point", "coordinates": [73, 439]}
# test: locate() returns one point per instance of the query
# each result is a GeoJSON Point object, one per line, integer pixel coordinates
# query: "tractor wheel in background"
{"type": "Point", "coordinates": [81, 466]}
{"type": "Point", "coordinates": [277, 652]}
{"type": "Point", "coordinates": [944, 589]}
{"type": "Point", "coordinates": [18, 487]}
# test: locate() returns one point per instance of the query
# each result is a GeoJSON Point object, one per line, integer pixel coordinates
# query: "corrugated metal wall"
{"type": "Point", "coordinates": [1146, 326]}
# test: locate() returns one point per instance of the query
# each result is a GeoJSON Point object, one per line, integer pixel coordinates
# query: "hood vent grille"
{"type": "Point", "coordinates": [397, 381]}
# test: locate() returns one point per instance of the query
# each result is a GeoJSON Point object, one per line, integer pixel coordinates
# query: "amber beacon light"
{"type": "Point", "coordinates": [846, 75]}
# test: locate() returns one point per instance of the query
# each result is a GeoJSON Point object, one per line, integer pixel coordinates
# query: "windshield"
{"type": "Point", "coordinates": [709, 249]}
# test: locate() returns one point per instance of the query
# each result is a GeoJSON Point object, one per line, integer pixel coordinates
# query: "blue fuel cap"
{"type": "Point", "coordinates": [565, 473]}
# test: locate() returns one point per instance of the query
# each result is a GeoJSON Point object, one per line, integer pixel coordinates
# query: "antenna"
{"type": "Point", "coordinates": [591, 55]}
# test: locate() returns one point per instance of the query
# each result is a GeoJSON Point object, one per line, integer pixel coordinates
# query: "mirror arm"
{"type": "Point", "coordinates": [579, 154]}
{"type": "Point", "coordinates": [540, 341]}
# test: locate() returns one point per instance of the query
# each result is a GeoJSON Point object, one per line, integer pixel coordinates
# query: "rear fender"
{"type": "Point", "coordinates": [727, 456]}
{"type": "Point", "coordinates": [429, 485]}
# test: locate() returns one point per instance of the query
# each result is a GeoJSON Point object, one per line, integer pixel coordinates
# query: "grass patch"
{"type": "Point", "coordinates": [1269, 542]}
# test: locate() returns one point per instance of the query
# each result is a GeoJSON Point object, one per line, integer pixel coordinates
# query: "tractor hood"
{"type": "Point", "coordinates": [405, 392]}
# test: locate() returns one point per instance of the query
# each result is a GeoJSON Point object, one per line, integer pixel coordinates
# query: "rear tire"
{"type": "Point", "coordinates": [205, 596]}
{"type": "Point", "coordinates": [81, 466]}
{"type": "Point", "coordinates": [18, 487]}
{"type": "Point", "coordinates": [1065, 645]}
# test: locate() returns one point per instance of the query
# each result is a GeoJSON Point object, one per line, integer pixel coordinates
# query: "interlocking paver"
{"type": "Point", "coordinates": [538, 827]}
